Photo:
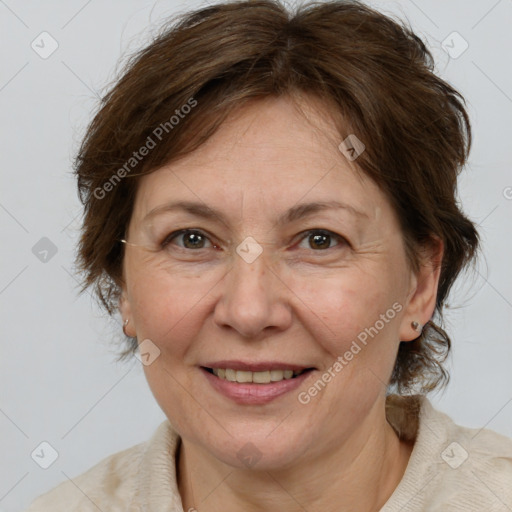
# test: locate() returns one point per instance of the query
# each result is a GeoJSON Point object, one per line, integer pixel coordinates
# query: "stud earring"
{"type": "Point", "coordinates": [416, 326]}
{"type": "Point", "coordinates": [125, 323]}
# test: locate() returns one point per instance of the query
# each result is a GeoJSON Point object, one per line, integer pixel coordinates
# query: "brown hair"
{"type": "Point", "coordinates": [377, 73]}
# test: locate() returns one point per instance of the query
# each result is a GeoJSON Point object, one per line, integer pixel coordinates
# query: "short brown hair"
{"type": "Point", "coordinates": [376, 72]}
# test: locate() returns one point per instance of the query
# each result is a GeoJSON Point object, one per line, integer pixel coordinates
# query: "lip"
{"type": "Point", "coordinates": [254, 394]}
{"type": "Point", "coordinates": [255, 366]}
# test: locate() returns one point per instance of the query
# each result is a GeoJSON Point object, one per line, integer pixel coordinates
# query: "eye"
{"type": "Point", "coordinates": [320, 239]}
{"type": "Point", "coordinates": [191, 238]}
{"type": "Point", "coordinates": [195, 239]}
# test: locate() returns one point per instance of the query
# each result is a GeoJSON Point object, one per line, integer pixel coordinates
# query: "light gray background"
{"type": "Point", "coordinates": [59, 381]}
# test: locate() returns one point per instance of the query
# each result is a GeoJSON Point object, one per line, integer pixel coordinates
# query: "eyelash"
{"type": "Point", "coordinates": [168, 239]}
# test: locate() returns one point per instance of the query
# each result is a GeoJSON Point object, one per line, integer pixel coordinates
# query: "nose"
{"type": "Point", "coordinates": [253, 299]}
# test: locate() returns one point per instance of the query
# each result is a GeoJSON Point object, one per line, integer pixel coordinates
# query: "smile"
{"type": "Point", "coordinates": [261, 377]}
{"type": "Point", "coordinates": [254, 388]}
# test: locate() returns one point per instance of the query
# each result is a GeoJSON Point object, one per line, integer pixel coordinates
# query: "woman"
{"type": "Point", "coordinates": [270, 205]}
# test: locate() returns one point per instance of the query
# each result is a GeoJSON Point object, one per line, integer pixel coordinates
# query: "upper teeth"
{"type": "Point", "coordinates": [256, 377]}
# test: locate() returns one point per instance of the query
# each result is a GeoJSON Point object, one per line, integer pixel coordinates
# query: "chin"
{"type": "Point", "coordinates": [257, 448]}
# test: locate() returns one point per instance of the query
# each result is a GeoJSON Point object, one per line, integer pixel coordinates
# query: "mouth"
{"type": "Point", "coordinates": [257, 383]}
{"type": "Point", "coordinates": [256, 377]}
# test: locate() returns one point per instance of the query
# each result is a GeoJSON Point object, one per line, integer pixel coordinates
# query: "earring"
{"type": "Point", "coordinates": [416, 326]}
{"type": "Point", "coordinates": [125, 323]}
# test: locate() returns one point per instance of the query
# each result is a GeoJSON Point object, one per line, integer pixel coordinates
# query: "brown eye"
{"type": "Point", "coordinates": [320, 240]}
{"type": "Point", "coordinates": [193, 240]}
{"type": "Point", "coordinates": [190, 238]}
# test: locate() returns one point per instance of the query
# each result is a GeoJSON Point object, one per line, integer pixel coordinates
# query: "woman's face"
{"type": "Point", "coordinates": [268, 283]}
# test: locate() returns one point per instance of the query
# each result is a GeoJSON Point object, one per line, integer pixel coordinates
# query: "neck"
{"type": "Point", "coordinates": [360, 474]}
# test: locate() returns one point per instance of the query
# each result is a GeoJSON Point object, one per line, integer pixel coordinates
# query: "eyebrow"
{"type": "Point", "coordinates": [295, 213]}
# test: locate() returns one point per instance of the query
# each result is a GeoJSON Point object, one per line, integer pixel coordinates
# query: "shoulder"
{"type": "Point", "coordinates": [111, 484]}
{"type": "Point", "coordinates": [455, 468]}
{"type": "Point", "coordinates": [109, 480]}
{"type": "Point", "coordinates": [475, 465]}
{"type": "Point", "coordinates": [478, 446]}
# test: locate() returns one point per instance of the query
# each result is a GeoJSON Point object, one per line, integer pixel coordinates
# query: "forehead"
{"type": "Point", "coordinates": [269, 148]}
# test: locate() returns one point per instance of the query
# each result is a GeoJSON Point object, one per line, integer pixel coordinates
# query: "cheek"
{"type": "Point", "coordinates": [165, 307]}
{"type": "Point", "coordinates": [352, 305]}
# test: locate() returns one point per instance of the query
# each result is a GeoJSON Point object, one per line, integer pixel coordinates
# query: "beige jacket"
{"type": "Point", "coordinates": [451, 469]}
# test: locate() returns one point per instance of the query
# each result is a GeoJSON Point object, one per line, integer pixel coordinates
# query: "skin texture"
{"type": "Point", "coordinates": [300, 301]}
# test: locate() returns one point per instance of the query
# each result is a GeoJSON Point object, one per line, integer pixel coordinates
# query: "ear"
{"type": "Point", "coordinates": [423, 290]}
{"type": "Point", "coordinates": [126, 314]}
